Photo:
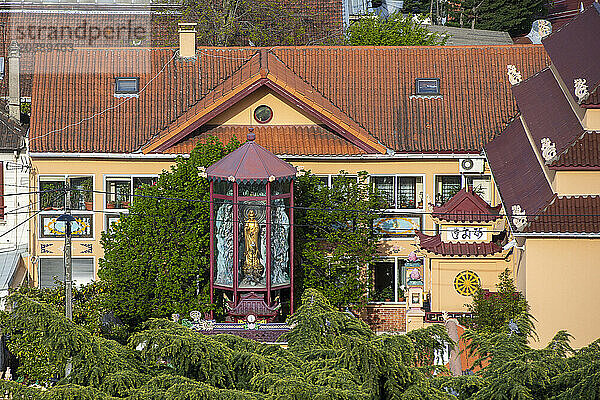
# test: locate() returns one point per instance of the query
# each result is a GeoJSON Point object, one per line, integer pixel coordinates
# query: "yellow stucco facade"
{"type": "Point", "coordinates": [443, 271]}
{"type": "Point", "coordinates": [572, 183]}
{"type": "Point", "coordinates": [562, 277]}
{"type": "Point", "coordinates": [99, 169]}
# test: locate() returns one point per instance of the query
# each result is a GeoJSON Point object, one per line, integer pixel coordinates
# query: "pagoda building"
{"type": "Point", "coordinates": [465, 253]}
{"type": "Point", "coordinates": [251, 232]}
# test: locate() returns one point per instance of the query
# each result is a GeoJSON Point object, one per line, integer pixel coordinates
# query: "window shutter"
{"type": "Point", "coordinates": [83, 271]}
{"type": "Point", "coordinates": [50, 268]}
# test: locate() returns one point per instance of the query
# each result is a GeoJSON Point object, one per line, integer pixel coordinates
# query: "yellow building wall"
{"type": "Point", "coordinates": [284, 113]}
{"type": "Point", "coordinates": [99, 170]}
{"type": "Point", "coordinates": [591, 120]}
{"type": "Point", "coordinates": [577, 182]}
{"type": "Point", "coordinates": [563, 279]}
{"type": "Point", "coordinates": [443, 271]}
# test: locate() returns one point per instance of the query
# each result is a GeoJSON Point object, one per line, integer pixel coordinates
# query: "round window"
{"type": "Point", "coordinates": [263, 114]}
{"type": "Point", "coordinates": [466, 283]}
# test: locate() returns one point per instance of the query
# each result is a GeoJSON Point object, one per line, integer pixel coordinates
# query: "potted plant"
{"type": "Point", "coordinates": [111, 204]}
{"type": "Point", "coordinates": [88, 195]}
{"type": "Point", "coordinates": [386, 294]}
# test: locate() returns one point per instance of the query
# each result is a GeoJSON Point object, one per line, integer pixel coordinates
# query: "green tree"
{"type": "Point", "coordinates": [249, 22]}
{"type": "Point", "coordinates": [493, 311]}
{"type": "Point", "coordinates": [395, 30]}
{"type": "Point", "coordinates": [156, 258]}
{"type": "Point", "coordinates": [331, 355]}
{"type": "Point", "coordinates": [416, 6]}
{"type": "Point", "coordinates": [334, 234]}
{"type": "Point", "coordinates": [513, 16]}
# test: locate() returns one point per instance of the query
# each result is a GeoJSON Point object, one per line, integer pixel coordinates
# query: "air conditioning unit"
{"type": "Point", "coordinates": [470, 165]}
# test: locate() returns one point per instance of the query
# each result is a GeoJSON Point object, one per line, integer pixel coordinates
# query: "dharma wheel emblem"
{"type": "Point", "coordinates": [466, 283]}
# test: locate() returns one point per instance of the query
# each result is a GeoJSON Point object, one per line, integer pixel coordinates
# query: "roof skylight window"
{"type": "Point", "coordinates": [127, 86]}
{"type": "Point", "coordinates": [427, 87]}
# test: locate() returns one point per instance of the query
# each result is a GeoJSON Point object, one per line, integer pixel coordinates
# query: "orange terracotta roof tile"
{"type": "Point", "coordinates": [366, 90]}
{"type": "Point", "coordinates": [305, 140]}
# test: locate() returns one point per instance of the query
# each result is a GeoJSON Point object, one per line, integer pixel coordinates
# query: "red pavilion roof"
{"type": "Point", "coordinates": [466, 206]}
{"type": "Point", "coordinates": [250, 163]}
{"type": "Point", "coordinates": [435, 245]}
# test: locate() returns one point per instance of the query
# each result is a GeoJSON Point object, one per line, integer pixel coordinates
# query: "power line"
{"type": "Point", "coordinates": [19, 224]}
{"type": "Point", "coordinates": [33, 192]}
{"type": "Point", "coordinates": [390, 212]}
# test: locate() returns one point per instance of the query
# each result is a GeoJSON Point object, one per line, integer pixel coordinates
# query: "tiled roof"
{"type": "Point", "coordinates": [575, 49]}
{"type": "Point", "coordinates": [583, 153]}
{"type": "Point", "coordinates": [435, 245]}
{"type": "Point", "coordinates": [568, 214]}
{"type": "Point", "coordinates": [593, 100]}
{"type": "Point", "coordinates": [466, 206]}
{"type": "Point", "coordinates": [307, 140]}
{"type": "Point", "coordinates": [264, 70]}
{"type": "Point", "coordinates": [373, 87]}
{"type": "Point", "coordinates": [547, 111]}
{"type": "Point", "coordinates": [517, 173]}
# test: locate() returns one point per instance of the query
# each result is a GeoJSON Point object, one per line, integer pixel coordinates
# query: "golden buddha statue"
{"type": "Point", "coordinates": [252, 268]}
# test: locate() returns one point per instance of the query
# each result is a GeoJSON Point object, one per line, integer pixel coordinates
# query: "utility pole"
{"type": "Point", "coordinates": [67, 253]}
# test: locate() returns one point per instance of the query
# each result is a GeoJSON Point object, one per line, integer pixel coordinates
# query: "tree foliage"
{"type": "Point", "coordinates": [335, 237]}
{"type": "Point", "coordinates": [331, 354]}
{"type": "Point", "coordinates": [395, 30]}
{"type": "Point", "coordinates": [492, 311]}
{"type": "Point", "coordinates": [251, 22]}
{"type": "Point", "coordinates": [156, 258]}
{"type": "Point", "coordinates": [513, 16]}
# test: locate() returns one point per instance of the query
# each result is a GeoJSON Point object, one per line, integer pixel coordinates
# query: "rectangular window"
{"type": "Point", "coordinates": [82, 195]}
{"type": "Point", "coordinates": [385, 187]}
{"type": "Point", "coordinates": [427, 86]}
{"type": "Point", "coordinates": [389, 278]}
{"type": "Point", "coordinates": [127, 85]}
{"type": "Point", "coordinates": [446, 186]}
{"type": "Point", "coordinates": [400, 192]}
{"type": "Point", "coordinates": [119, 190]}
{"type": "Point", "coordinates": [52, 196]}
{"type": "Point", "coordinates": [52, 269]}
{"type": "Point", "coordinates": [482, 185]}
{"type": "Point", "coordinates": [118, 193]}
{"type": "Point", "coordinates": [410, 192]}
{"type": "Point", "coordinates": [384, 281]}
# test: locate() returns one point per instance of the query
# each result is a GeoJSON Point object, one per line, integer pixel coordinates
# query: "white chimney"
{"type": "Point", "coordinates": [187, 39]}
{"type": "Point", "coordinates": [14, 88]}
